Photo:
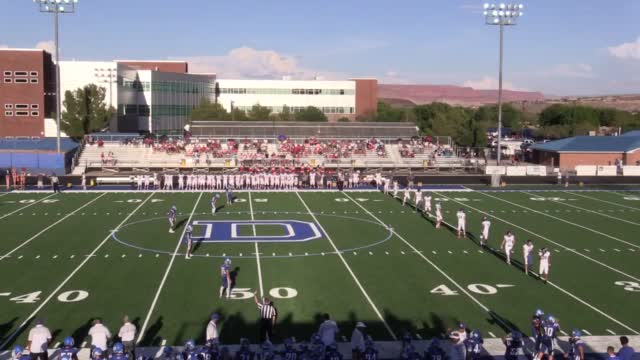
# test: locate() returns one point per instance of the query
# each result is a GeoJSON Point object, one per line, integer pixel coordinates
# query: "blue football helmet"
{"type": "Point", "coordinates": [190, 344]}
{"type": "Point", "coordinates": [475, 334]}
{"type": "Point", "coordinates": [368, 343]}
{"type": "Point", "coordinates": [315, 338]}
{"type": "Point", "coordinates": [288, 343]}
{"type": "Point", "coordinates": [68, 341]}
{"type": "Point", "coordinates": [551, 319]}
{"type": "Point", "coordinates": [118, 348]}
{"type": "Point", "coordinates": [244, 343]}
{"type": "Point", "coordinates": [96, 353]}
{"type": "Point", "coordinates": [576, 334]}
{"type": "Point", "coordinates": [516, 335]}
{"type": "Point", "coordinates": [539, 313]}
{"type": "Point", "coordinates": [17, 351]}
{"type": "Point", "coordinates": [227, 262]}
{"type": "Point", "coordinates": [167, 351]}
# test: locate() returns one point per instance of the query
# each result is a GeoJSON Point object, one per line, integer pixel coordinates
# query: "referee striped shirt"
{"type": "Point", "coordinates": [267, 311]}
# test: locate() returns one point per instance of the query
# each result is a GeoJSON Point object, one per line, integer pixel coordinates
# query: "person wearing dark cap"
{"type": "Point", "coordinates": [268, 317]}
{"type": "Point", "coordinates": [212, 328]}
{"type": "Point", "coordinates": [38, 341]}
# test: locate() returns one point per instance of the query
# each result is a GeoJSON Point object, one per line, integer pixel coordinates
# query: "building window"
{"type": "Point", "coordinates": [33, 73]}
{"type": "Point", "coordinates": [34, 80]}
{"type": "Point", "coordinates": [22, 106]}
{"type": "Point", "coordinates": [22, 81]}
{"type": "Point", "coordinates": [8, 106]}
{"type": "Point", "coordinates": [8, 80]}
{"type": "Point", "coordinates": [35, 113]}
{"type": "Point", "coordinates": [8, 113]}
{"type": "Point", "coordinates": [20, 73]}
{"type": "Point", "coordinates": [143, 110]}
{"type": "Point", "coordinates": [35, 106]}
{"type": "Point", "coordinates": [22, 113]}
{"type": "Point", "coordinates": [7, 73]}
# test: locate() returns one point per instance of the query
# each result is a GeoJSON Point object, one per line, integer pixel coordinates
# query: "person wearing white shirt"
{"type": "Point", "coordinates": [38, 341]}
{"type": "Point", "coordinates": [212, 328]}
{"type": "Point", "coordinates": [100, 335]}
{"type": "Point", "coordinates": [127, 335]}
{"type": "Point", "coordinates": [527, 252]}
{"type": "Point", "coordinates": [328, 330]}
{"type": "Point", "coordinates": [462, 223]}
{"type": "Point", "coordinates": [484, 234]}
{"type": "Point", "coordinates": [438, 215]}
{"type": "Point", "coordinates": [507, 245]}
{"type": "Point", "coordinates": [427, 203]}
{"type": "Point", "coordinates": [357, 341]}
{"type": "Point", "coordinates": [545, 263]}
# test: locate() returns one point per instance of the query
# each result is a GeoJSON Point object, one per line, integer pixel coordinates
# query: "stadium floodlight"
{"type": "Point", "coordinates": [501, 15]}
{"type": "Point", "coordinates": [56, 7]}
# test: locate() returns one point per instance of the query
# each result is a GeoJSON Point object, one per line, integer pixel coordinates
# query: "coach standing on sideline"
{"type": "Point", "coordinates": [55, 183]}
{"type": "Point", "coordinates": [38, 341]}
{"type": "Point", "coordinates": [127, 335]}
{"type": "Point", "coordinates": [212, 328]}
{"type": "Point", "coordinates": [268, 317]}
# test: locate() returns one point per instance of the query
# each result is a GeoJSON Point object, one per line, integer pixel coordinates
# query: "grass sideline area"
{"type": "Point", "coordinates": [72, 257]}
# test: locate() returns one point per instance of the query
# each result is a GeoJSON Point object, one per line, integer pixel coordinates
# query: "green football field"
{"type": "Point", "coordinates": [69, 258]}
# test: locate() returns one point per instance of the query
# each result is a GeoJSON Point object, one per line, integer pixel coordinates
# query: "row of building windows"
{"type": "Point", "coordinates": [21, 106]}
{"type": "Point", "coordinates": [19, 73]}
{"type": "Point", "coordinates": [169, 86]}
{"type": "Point", "coordinates": [269, 91]}
{"type": "Point", "coordinates": [21, 113]}
{"type": "Point", "coordinates": [158, 110]}
{"type": "Point", "coordinates": [297, 109]}
{"type": "Point", "coordinates": [21, 81]}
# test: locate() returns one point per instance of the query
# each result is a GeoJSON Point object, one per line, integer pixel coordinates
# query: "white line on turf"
{"type": "Point", "coordinates": [166, 273]}
{"type": "Point", "coordinates": [610, 332]}
{"type": "Point", "coordinates": [256, 245]}
{"type": "Point", "coordinates": [353, 275]}
{"type": "Point", "coordinates": [24, 207]}
{"type": "Point", "coordinates": [462, 289]}
{"type": "Point", "coordinates": [66, 280]}
{"type": "Point", "coordinates": [591, 211]}
{"type": "Point", "coordinates": [586, 332]}
{"type": "Point", "coordinates": [49, 227]}
{"type": "Point", "coordinates": [604, 201]}
{"type": "Point", "coordinates": [560, 219]}
{"type": "Point", "coordinates": [542, 237]}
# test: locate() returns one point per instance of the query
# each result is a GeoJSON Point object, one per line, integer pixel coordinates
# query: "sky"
{"type": "Point", "coordinates": [559, 47]}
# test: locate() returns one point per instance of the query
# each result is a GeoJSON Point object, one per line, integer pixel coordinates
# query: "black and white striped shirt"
{"type": "Point", "coordinates": [267, 311]}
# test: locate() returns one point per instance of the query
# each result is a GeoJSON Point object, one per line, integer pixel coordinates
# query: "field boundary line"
{"type": "Point", "coordinates": [562, 220]}
{"type": "Point", "coordinates": [166, 273]}
{"type": "Point", "coordinates": [543, 238]}
{"type": "Point", "coordinates": [553, 284]}
{"type": "Point", "coordinates": [605, 201]}
{"type": "Point", "coordinates": [346, 264]}
{"type": "Point", "coordinates": [442, 272]}
{"type": "Point", "coordinates": [71, 275]}
{"type": "Point", "coordinates": [49, 227]}
{"type": "Point", "coordinates": [24, 207]}
{"type": "Point", "coordinates": [256, 246]}
{"type": "Point", "coordinates": [591, 211]}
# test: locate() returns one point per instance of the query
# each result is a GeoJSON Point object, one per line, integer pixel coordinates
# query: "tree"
{"type": "Point", "coordinates": [85, 111]}
{"type": "Point", "coordinates": [285, 114]}
{"type": "Point", "coordinates": [209, 111]}
{"type": "Point", "coordinates": [388, 113]}
{"type": "Point", "coordinates": [216, 92]}
{"type": "Point", "coordinates": [238, 115]}
{"type": "Point", "coordinates": [311, 113]}
{"type": "Point", "coordinates": [259, 113]}
{"type": "Point", "coordinates": [344, 119]}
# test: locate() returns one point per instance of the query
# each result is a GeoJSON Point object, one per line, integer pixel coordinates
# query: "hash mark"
{"type": "Point", "coordinates": [386, 253]}
{"type": "Point", "coordinates": [610, 332]}
{"type": "Point", "coordinates": [616, 250]}
{"type": "Point", "coordinates": [106, 256]}
{"type": "Point", "coordinates": [402, 252]}
{"type": "Point", "coordinates": [586, 332]}
{"type": "Point", "coordinates": [123, 256]}
{"type": "Point", "coordinates": [72, 256]}
{"type": "Point", "coordinates": [55, 256]}
{"type": "Point", "coordinates": [632, 250]}
{"type": "Point", "coordinates": [157, 255]}
{"type": "Point", "coordinates": [465, 251]}
{"type": "Point", "coordinates": [492, 334]}
{"type": "Point", "coordinates": [37, 256]}
{"type": "Point", "coordinates": [84, 344]}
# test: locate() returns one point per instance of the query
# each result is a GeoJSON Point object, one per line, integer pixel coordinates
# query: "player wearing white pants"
{"type": "Point", "coordinates": [427, 203]}
{"type": "Point", "coordinates": [527, 252]}
{"type": "Point", "coordinates": [484, 234]}
{"type": "Point", "coordinates": [508, 243]}
{"type": "Point", "coordinates": [438, 215]}
{"type": "Point", "coordinates": [462, 222]}
{"type": "Point", "coordinates": [545, 263]}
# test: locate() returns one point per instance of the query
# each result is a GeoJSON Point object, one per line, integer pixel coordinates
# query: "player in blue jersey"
{"type": "Point", "coordinates": [290, 352]}
{"type": "Point", "coordinates": [244, 353]}
{"type": "Point", "coordinates": [211, 350]}
{"type": "Point", "coordinates": [167, 353]}
{"type": "Point", "coordinates": [230, 197]}
{"type": "Point", "coordinates": [96, 353]}
{"type": "Point", "coordinates": [550, 328]}
{"type": "Point", "coordinates": [266, 351]}
{"type": "Point", "coordinates": [332, 353]}
{"type": "Point", "coordinates": [214, 201]}
{"type": "Point", "coordinates": [68, 349]}
{"type": "Point", "coordinates": [408, 351]}
{"type": "Point", "coordinates": [171, 216]}
{"type": "Point", "coordinates": [190, 351]}
{"type": "Point", "coordinates": [188, 234]}
{"type": "Point", "coordinates": [18, 353]}
{"type": "Point", "coordinates": [370, 351]}
{"type": "Point", "coordinates": [225, 277]}
{"type": "Point", "coordinates": [303, 351]}
{"type": "Point", "coordinates": [514, 344]}
{"type": "Point", "coordinates": [536, 329]}
{"type": "Point", "coordinates": [577, 346]}
{"type": "Point", "coordinates": [435, 351]}
{"type": "Point", "coordinates": [118, 352]}
{"type": "Point", "coordinates": [473, 345]}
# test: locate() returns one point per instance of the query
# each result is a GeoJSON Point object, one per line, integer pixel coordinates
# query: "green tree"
{"type": "Point", "coordinates": [85, 111]}
{"type": "Point", "coordinates": [259, 113]}
{"type": "Point", "coordinates": [285, 114]}
{"type": "Point", "coordinates": [344, 119]}
{"type": "Point", "coordinates": [311, 113]}
{"type": "Point", "coordinates": [209, 111]}
{"type": "Point", "coordinates": [238, 115]}
{"type": "Point", "coordinates": [388, 113]}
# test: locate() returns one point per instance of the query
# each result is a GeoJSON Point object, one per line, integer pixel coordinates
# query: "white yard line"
{"type": "Point", "coordinates": [24, 207]}
{"type": "Point", "coordinates": [353, 275]}
{"type": "Point", "coordinates": [562, 220]}
{"type": "Point", "coordinates": [3, 194]}
{"type": "Point", "coordinates": [541, 237]}
{"type": "Point", "coordinates": [604, 201]}
{"type": "Point", "coordinates": [460, 287]}
{"type": "Point", "coordinates": [49, 227]}
{"type": "Point", "coordinates": [71, 275]}
{"type": "Point", "coordinates": [256, 247]}
{"type": "Point", "coordinates": [591, 211]}
{"type": "Point", "coordinates": [166, 273]}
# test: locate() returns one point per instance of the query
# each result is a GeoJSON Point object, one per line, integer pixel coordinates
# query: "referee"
{"type": "Point", "coordinates": [268, 317]}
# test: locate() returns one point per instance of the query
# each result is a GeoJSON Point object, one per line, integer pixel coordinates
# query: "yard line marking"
{"type": "Point", "coordinates": [65, 281]}
{"type": "Point", "coordinates": [564, 332]}
{"type": "Point", "coordinates": [166, 273]}
{"type": "Point", "coordinates": [24, 207]}
{"type": "Point", "coordinates": [610, 332]}
{"type": "Point", "coordinates": [605, 201]}
{"type": "Point", "coordinates": [164, 342]}
{"type": "Point", "coordinates": [492, 334]}
{"type": "Point", "coordinates": [256, 245]}
{"type": "Point", "coordinates": [599, 212]}
{"type": "Point", "coordinates": [462, 289]}
{"type": "Point", "coordinates": [586, 332]}
{"type": "Point", "coordinates": [560, 219]}
{"type": "Point", "coordinates": [49, 227]}
{"type": "Point", "coordinates": [56, 345]}
{"type": "Point", "coordinates": [84, 344]}
{"type": "Point", "coordinates": [616, 250]}
{"type": "Point", "coordinates": [544, 238]}
{"type": "Point", "coordinates": [353, 275]}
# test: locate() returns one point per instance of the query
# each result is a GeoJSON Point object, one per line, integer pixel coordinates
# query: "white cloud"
{"type": "Point", "coordinates": [48, 46]}
{"type": "Point", "coordinates": [490, 83]}
{"type": "Point", "coordinates": [249, 63]}
{"type": "Point", "coordinates": [630, 50]}
{"type": "Point", "coordinates": [584, 71]}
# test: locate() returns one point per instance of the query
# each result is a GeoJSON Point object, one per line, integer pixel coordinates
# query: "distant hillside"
{"type": "Point", "coordinates": [451, 94]}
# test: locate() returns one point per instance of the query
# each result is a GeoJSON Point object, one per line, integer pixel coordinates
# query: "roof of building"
{"type": "Point", "coordinates": [40, 144]}
{"type": "Point", "coordinates": [592, 144]}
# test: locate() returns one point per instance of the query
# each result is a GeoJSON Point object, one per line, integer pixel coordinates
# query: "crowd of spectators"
{"type": "Point", "coordinates": [331, 149]}
{"type": "Point", "coordinates": [423, 145]}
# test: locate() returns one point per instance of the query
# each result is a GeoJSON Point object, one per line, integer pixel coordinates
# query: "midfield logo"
{"type": "Point", "coordinates": [232, 230]}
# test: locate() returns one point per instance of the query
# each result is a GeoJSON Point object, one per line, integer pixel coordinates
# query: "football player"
{"type": "Point", "coordinates": [171, 216]}
{"type": "Point", "coordinates": [527, 252]}
{"type": "Point", "coordinates": [438, 215]}
{"type": "Point", "coordinates": [484, 234]}
{"type": "Point", "coordinates": [190, 351]}
{"type": "Point", "coordinates": [407, 195]}
{"type": "Point", "coordinates": [211, 351]}
{"type": "Point", "coordinates": [536, 328]}
{"type": "Point", "coordinates": [395, 189]}
{"type": "Point", "coordinates": [577, 346]}
{"type": "Point", "coordinates": [435, 351]}
{"type": "Point", "coordinates": [550, 328]}
{"type": "Point", "coordinates": [229, 196]}
{"type": "Point", "coordinates": [244, 353]}
{"type": "Point", "coordinates": [290, 352]}
{"type": "Point", "coordinates": [513, 343]}
{"type": "Point", "coordinates": [408, 351]}
{"type": "Point", "coordinates": [188, 234]}
{"type": "Point", "coordinates": [427, 203]}
{"type": "Point", "coordinates": [68, 350]}
{"type": "Point", "coordinates": [507, 245]}
{"type": "Point", "coordinates": [118, 352]}
{"type": "Point", "coordinates": [370, 351]}
{"type": "Point", "coordinates": [332, 352]}
{"type": "Point", "coordinates": [96, 354]}
{"type": "Point", "coordinates": [545, 264]}
{"type": "Point", "coordinates": [462, 222]}
{"type": "Point", "coordinates": [418, 199]}
{"type": "Point", "coordinates": [266, 351]}
{"type": "Point", "coordinates": [225, 278]}
{"type": "Point", "coordinates": [214, 200]}
{"type": "Point", "coordinates": [473, 345]}
{"type": "Point", "coordinates": [18, 353]}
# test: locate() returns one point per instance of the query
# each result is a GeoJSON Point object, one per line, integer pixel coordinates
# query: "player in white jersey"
{"type": "Point", "coordinates": [146, 182]}
{"type": "Point", "coordinates": [418, 199]}
{"type": "Point", "coordinates": [484, 234]}
{"type": "Point", "coordinates": [188, 232]}
{"type": "Point", "coordinates": [214, 200]}
{"type": "Point", "coordinates": [427, 202]}
{"type": "Point", "coordinates": [378, 180]}
{"type": "Point", "coordinates": [527, 252]}
{"type": "Point", "coordinates": [386, 187]}
{"type": "Point", "coordinates": [180, 182]}
{"type": "Point", "coordinates": [218, 182]}
{"type": "Point", "coordinates": [545, 263]}
{"type": "Point", "coordinates": [438, 215]}
{"type": "Point", "coordinates": [507, 245]}
{"type": "Point", "coordinates": [407, 195]}
{"type": "Point", "coordinates": [84, 182]}
{"type": "Point", "coordinates": [462, 223]}
{"type": "Point", "coordinates": [395, 189]}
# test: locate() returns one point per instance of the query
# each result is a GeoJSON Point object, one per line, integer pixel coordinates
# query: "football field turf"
{"type": "Point", "coordinates": [360, 256]}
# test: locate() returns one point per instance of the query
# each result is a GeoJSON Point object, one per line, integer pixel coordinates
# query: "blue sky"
{"type": "Point", "coordinates": [560, 47]}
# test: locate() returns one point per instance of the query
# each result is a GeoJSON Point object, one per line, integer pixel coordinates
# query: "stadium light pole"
{"type": "Point", "coordinates": [501, 15]}
{"type": "Point", "coordinates": [56, 7]}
